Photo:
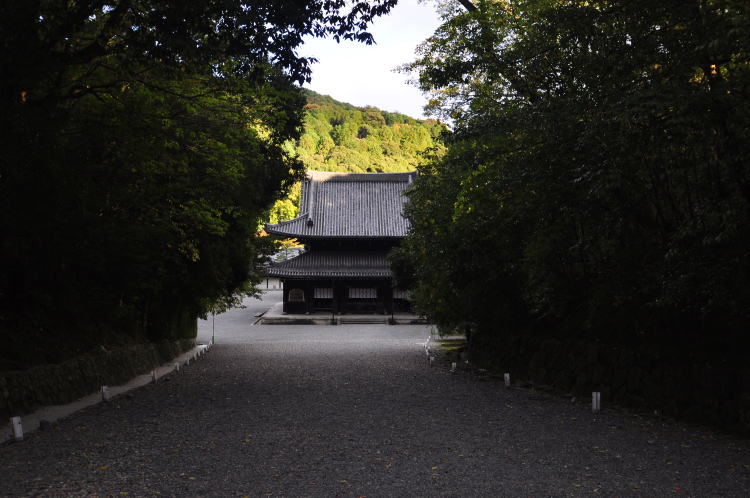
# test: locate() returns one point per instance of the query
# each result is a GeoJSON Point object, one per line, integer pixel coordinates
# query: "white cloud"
{"type": "Point", "coordinates": [363, 75]}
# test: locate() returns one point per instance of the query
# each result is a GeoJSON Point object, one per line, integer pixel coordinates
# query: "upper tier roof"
{"type": "Point", "coordinates": [361, 205]}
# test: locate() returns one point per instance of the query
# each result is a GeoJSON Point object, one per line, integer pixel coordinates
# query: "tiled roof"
{"type": "Point", "coordinates": [333, 264]}
{"type": "Point", "coordinates": [349, 205]}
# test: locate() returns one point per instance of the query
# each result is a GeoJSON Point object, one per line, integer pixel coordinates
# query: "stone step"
{"type": "Point", "coordinates": [362, 319]}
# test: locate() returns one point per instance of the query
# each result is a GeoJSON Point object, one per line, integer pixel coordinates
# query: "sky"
{"type": "Point", "coordinates": [363, 75]}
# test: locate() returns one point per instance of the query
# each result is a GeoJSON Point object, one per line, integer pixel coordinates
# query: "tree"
{"type": "Point", "coordinates": [145, 141]}
{"type": "Point", "coordinates": [595, 181]}
{"type": "Point", "coordinates": [366, 141]}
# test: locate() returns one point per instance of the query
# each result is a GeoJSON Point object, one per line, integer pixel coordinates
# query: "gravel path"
{"type": "Point", "coordinates": [357, 411]}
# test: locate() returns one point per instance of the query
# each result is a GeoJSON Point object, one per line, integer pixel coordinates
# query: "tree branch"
{"type": "Point", "coordinates": [468, 5]}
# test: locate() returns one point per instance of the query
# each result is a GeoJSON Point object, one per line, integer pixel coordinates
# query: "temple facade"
{"type": "Point", "coordinates": [348, 222]}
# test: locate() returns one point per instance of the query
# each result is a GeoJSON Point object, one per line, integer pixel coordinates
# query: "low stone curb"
{"type": "Point", "coordinates": [49, 414]}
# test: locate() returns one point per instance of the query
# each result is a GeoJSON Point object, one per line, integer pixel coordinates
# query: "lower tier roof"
{"type": "Point", "coordinates": [333, 264]}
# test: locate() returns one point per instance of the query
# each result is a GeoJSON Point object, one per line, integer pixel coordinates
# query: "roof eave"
{"type": "Point", "coordinates": [327, 277]}
{"type": "Point", "coordinates": [305, 236]}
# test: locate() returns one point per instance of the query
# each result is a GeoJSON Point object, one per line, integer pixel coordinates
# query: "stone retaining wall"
{"type": "Point", "coordinates": [691, 385]}
{"type": "Point", "coordinates": [22, 392]}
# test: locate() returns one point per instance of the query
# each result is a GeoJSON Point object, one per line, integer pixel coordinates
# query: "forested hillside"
{"type": "Point", "coordinates": [341, 137]}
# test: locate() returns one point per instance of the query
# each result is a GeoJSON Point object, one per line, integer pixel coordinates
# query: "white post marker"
{"type": "Point", "coordinates": [177, 366]}
{"type": "Point", "coordinates": [596, 401]}
{"type": "Point", "coordinates": [153, 375]}
{"type": "Point", "coordinates": [506, 378]}
{"type": "Point", "coordinates": [453, 367]}
{"type": "Point", "coordinates": [432, 360]}
{"type": "Point", "coordinates": [105, 393]}
{"type": "Point", "coordinates": [15, 423]}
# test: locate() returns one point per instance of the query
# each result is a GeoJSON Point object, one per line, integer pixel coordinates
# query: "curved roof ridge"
{"type": "Point", "coordinates": [287, 222]}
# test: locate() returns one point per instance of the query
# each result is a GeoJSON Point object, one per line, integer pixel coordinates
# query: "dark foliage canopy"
{"type": "Point", "coordinates": [142, 143]}
{"type": "Point", "coordinates": [597, 182]}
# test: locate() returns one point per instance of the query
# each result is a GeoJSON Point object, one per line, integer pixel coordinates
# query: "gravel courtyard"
{"type": "Point", "coordinates": [356, 410]}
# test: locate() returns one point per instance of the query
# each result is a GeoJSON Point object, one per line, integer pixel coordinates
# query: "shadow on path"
{"type": "Point", "coordinates": [357, 411]}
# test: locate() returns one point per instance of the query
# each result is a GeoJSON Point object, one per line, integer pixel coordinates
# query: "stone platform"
{"type": "Point", "coordinates": [275, 316]}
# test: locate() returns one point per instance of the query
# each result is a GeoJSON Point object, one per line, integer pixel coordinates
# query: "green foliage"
{"type": "Point", "coordinates": [143, 144]}
{"type": "Point", "coordinates": [597, 179]}
{"type": "Point", "coordinates": [340, 137]}
{"type": "Point", "coordinates": [287, 208]}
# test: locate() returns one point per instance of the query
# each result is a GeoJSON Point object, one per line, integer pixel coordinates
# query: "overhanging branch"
{"type": "Point", "coordinates": [468, 5]}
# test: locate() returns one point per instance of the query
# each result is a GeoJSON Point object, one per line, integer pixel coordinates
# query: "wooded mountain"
{"type": "Point", "coordinates": [341, 137]}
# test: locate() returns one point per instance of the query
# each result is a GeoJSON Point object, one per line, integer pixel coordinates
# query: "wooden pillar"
{"type": "Point", "coordinates": [388, 298]}
{"type": "Point", "coordinates": [335, 307]}
{"type": "Point", "coordinates": [284, 296]}
{"type": "Point", "coordinates": [341, 290]}
{"type": "Point", "coordinates": [309, 297]}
